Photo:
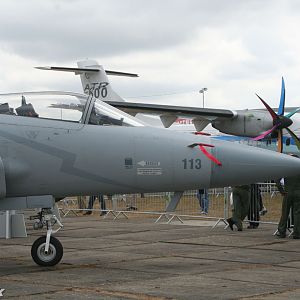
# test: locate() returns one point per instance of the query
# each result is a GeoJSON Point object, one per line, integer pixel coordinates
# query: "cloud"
{"type": "Point", "coordinates": [235, 48]}
{"type": "Point", "coordinates": [68, 30]}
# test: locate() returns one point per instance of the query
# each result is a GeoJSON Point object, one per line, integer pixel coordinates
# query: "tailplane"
{"type": "Point", "coordinates": [94, 79]}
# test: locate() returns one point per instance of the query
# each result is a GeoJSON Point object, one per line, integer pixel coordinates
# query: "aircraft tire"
{"type": "Point", "coordinates": [53, 256]}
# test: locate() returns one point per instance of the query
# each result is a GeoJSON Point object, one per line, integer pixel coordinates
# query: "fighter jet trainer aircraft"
{"type": "Point", "coordinates": [50, 151]}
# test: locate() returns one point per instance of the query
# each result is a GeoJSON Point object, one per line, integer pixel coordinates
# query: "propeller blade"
{"type": "Point", "coordinates": [282, 99]}
{"type": "Point", "coordinates": [280, 144]}
{"type": "Point", "coordinates": [292, 113]}
{"type": "Point", "coordinates": [265, 133]}
{"type": "Point", "coordinates": [271, 111]}
{"type": "Point", "coordinates": [297, 140]}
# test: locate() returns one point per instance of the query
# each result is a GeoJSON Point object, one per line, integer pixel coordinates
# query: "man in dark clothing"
{"type": "Point", "coordinates": [241, 202]}
{"type": "Point", "coordinates": [291, 200]}
{"type": "Point", "coordinates": [255, 206]}
{"type": "Point", "coordinates": [101, 202]}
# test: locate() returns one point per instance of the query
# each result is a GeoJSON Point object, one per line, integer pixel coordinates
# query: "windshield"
{"type": "Point", "coordinates": [105, 114]}
{"type": "Point", "coordinates": [65, 107]}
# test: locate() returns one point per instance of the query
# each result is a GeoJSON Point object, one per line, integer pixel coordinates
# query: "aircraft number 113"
{"type": "Point", "coordinates": [192, 163]}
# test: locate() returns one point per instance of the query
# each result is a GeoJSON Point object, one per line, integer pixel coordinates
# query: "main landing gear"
{"type": "Point", "coordinates": [47, 250]}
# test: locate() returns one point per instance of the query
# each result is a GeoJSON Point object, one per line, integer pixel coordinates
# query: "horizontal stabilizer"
{"type": "Point", "coordinates": [116, 73]}
{"type": "Point", "coordinates": [86, 70]}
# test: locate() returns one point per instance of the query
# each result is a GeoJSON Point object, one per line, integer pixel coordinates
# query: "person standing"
{"type": "Point", "coordinates": [203, 198]}
{"type": "Point", "coordinates": [101, 202]}
{"type": "Point", "coordinates": [81, 202]}
{"type": "Point", "coordinates": [241, 203]}
{"type": "Point", "coordinates": [290, 189]}
{"type": "Point", "coordinates": [102, 205]}
{"type": "Point", "coordinates": [255, 206]}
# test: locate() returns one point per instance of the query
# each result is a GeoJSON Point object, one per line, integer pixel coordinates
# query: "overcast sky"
{"type": "Point", "coordinates": [234, 48]}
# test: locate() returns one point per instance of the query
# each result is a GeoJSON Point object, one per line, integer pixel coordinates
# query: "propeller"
{"type": "Point", "coordinates": [280, 121]}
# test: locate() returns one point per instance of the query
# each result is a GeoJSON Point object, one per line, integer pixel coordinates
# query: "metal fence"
{"type": "Point", "coordinates": [156, 204]}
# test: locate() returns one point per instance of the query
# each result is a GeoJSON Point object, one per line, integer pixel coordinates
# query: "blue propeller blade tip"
{"type": "Point", "coordinates": [282, 98]}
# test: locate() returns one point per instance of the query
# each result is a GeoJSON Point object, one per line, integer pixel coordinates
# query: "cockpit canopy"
{"type": "Point", "coordinates": [70, 107]}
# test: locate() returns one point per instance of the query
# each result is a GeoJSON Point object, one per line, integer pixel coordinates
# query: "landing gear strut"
{"type": "Point", "coordinates": [47, 250]}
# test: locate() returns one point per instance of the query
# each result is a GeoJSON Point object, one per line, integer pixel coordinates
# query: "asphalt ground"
{"type": "Point", "coordinates": [138, 259]}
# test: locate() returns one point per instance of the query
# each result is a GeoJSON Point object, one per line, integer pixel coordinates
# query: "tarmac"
{"type": "Point", "coordinates": [137, 259]}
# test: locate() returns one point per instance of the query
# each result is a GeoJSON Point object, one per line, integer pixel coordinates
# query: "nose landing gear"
{"type": "Point", "coordinates": [47, 250]}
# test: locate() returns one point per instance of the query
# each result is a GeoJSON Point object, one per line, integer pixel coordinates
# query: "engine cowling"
{"type": "Point", "coordinates": [248, 123]}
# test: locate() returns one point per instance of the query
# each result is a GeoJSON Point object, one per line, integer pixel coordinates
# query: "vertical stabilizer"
{"type": "Point", "coordinates": [96, 82]}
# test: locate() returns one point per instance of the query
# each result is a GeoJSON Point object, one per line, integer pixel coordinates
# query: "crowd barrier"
{"type": "Point", "coordinates": [155, 204]}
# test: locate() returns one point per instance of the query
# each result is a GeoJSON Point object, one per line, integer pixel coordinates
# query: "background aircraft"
{"type": "Point", "coordinates": [266, 125]}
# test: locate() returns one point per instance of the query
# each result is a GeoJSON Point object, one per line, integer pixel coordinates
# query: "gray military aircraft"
{"type": "Point", "coordinates": [48, 152]}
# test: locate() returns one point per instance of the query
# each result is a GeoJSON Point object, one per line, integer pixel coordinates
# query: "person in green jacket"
{"type": "Point", "coordinates": [241, 203]}
{"type": "Point", "coordinates": [291, 200]}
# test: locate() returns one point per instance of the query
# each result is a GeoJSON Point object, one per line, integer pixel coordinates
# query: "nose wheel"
{"type": "Point", "coordinates": [46, 258]}
{"type": "Point", "coordinates": [47, 250]}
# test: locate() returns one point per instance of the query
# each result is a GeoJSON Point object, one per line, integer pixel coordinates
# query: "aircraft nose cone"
{"type": "Point", "coordinates": [244, 165]}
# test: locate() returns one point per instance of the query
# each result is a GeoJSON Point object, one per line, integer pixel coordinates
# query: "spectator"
{"type": "Point", "coordinates": [101, 202]}
{"type": "Point", "coordinates": [241, 202]}
{"type": "Point", "coordinates": [203, 198]}
{"type": "Point", "coordinates": [290, 189]}
{"type": "Point", "coordinates": [255, 206]}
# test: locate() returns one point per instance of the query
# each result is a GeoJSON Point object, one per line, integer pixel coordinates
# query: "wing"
{"type": "Point", "coordinates": [168, 114]}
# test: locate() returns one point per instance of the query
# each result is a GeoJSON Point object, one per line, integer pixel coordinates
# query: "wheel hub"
{"type": "Point", "coordinates": [46, 257]}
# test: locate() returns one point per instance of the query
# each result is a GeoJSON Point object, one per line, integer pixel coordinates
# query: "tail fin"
{"type": "Point", "coordinates": [94, 79]}
{"type": "Point", "coordinates": [96, 82]}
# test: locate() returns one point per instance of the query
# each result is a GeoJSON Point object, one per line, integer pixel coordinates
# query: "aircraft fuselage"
{"type": "Point", "coordinates": [50, 157]}
{"type": "Point", "coordinates": [65, 158]}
